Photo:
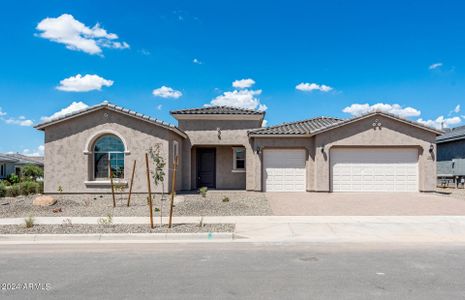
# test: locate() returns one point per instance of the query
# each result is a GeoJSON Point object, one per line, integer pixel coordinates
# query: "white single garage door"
{"type": "Point", "coordinates": [284, 170]}
{"type": "Point", "coordinates": [374, 169]}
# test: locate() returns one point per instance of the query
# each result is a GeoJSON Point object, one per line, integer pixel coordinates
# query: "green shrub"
{"type": "Point", "coordinates": [2, 189]}
{"type": "Point", "coordinates": [13, 190]}
{"type": "Point", "coordinates": [40, 189]}
{"type": "Point", "coordinates": [203, 191]}
{"type": "Point", "coordinates": [32, 172]}
{"type": "Point", "coordinates": [13, 178]}
{"type": "Point", "coordinates": [29, 187]}
{"type": "Point", "coordinates": [29, 222]}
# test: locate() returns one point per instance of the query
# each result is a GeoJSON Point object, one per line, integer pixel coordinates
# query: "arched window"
{"type": "Point", "coordinates": [108, 147]}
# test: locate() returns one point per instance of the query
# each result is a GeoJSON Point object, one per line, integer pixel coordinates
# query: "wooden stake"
{"type": "Point", "coordinates": [148, 187]}
{"type": "Point", "coordinates": [111, 182]}
{"type": "Point", "coordinates": [132, 181]}
{"type": "Point", "coordinates": [173, 189]}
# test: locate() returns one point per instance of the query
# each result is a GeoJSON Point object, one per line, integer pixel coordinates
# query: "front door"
{"type": "Point", "coordinates": [206, 167]}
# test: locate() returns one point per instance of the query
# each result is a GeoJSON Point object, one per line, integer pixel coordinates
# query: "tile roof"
{"type": "Point", "coordinates": [321, 124]}
{"type": "Point", "coordinates": [304, 127]}
{"type": "Point", "coordinates": [217, 110]}
{"type": "Point", "coordinates": [21, 159]}
{"type": "Point", "coordinates": [452, 134]}
{"type": "Point", "coordinates": [113, 107]}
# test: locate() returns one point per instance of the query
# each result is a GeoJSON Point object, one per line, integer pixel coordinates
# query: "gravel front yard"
{"type": "Point", "coordinates": [240, 203]}
{"type": "Point", "coordinates": [76, 229]}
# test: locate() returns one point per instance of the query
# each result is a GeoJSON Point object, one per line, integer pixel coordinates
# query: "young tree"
{"type": "Point", "coordinates": [158, 171]}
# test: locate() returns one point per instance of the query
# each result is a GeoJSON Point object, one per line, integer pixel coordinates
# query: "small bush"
{"type": "Point", "coordinates": [2, 189]}
{"type": "Point", "coordinates": [32, 172]}
{"type": "Point", "coordinates": [225, 199]}
{"type": "Point", "coordinates": [106, 221]}
{"type": "Point", "coordinates": [203, 191]}
{"type": "Point", "coordinates": [13, 190]}
{"type": "Point", "coordinates": [29, 188]}
{"type": "Point", "coordinates": [13, 178]}
{"type": "Point", "coordinates": [29, 222]}
{"type": "Point", "coordinates": [40, 189]}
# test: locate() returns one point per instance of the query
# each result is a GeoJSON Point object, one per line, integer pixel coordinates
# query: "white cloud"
{"type": "Point", "coordinates": [435, 66]}
{"type": "Point", "coordinates": [73, 107]}
{"type": "Point", "coordinates": [360, 109]}
{"type": "Point", "coordinates": [264, 123]}
{"type": "Point", "coordinates": [166, 92]}
{"type": "Point", "coordinates": [84, 83]}
{"type": "Point", "coordinates": [441, 122]}
{"type": "Point", "coordinates": [243, 83]}
{"type": "Point", "coordinates": [308, 87]}
{"type": "Point", "coordinates": [21, 121]}
{"type": "Point", "coordinates": [457, 108]}
{"type": "Point", "coordinates": [196, 61]}
{"type": "Point", "coordinates": [159, 107]}
{"type": "Point", "coordinates": [77, 36]}
{"type": "Point", "coordinates": [240, 98]}
{"type": "Point", "coordinates": [39, 151]}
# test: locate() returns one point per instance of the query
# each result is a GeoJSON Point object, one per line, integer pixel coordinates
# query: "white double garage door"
{"type": "Point", "coordinates": [351, 170]}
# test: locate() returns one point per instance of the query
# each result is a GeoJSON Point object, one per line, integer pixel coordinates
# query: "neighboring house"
{"type": "Point", "coordinates": [451, 154]}
{"type": "Point", "coordinates": [226, 148]}
{"type": "Point", "coordinates": [12, 163]}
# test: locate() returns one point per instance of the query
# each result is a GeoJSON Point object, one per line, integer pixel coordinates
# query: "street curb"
{"type": "Point", "coordinates": [127, 238]}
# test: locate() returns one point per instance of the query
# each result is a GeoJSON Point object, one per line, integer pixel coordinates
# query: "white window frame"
{"type": "Point", "coordinates": [235, 169]}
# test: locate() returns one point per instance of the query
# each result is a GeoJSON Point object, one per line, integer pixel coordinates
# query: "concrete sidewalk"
{"type": "Point", "coordinates": [291, 229]}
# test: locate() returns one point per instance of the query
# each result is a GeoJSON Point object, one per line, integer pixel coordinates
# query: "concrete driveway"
{"type": "Point", "coordinates": [364, 204]}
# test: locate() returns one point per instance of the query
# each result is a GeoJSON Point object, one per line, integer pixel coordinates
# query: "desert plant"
{"type": "Point", "coordinates": [32, 172]}
{"type": "Point", "coordinates": [29, 187]}
{"type": "Point", "coordinates": [29, 222]}
{"type": "Point", "coordinates": [13, 190]}
{"type": "Point", "coordinates": [225, 199]}
{"type": "Point", "coordinates": [67, 223]}
{"type": "Point", "coordinates": [13, 178]}
{"type": "Point", "coordinates": [2, 189]}
{"type": "Point", "coordinates": [203, 191]}
{"type": "Point", "coordinates": [106, 221]}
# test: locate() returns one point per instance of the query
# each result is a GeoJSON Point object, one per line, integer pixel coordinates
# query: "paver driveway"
{"type": "Point", "coordinates": [364, 204]}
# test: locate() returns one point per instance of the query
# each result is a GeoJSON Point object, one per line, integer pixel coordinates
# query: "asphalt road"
{"type": "Point", "coordinates": [231, 271]}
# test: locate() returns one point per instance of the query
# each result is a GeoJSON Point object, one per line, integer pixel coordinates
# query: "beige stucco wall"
{"type": "Point", "coordinates": [393, 133]}
{"type": "Point", "coordinates": [205, 133]}
{"type": "Point", "coordinates": [67, 165]}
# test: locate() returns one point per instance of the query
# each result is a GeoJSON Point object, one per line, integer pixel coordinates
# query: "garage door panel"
{"type": "Point", "coordinates": [284, 170]}
{"type": "Point", "coordinates": [374, 169]}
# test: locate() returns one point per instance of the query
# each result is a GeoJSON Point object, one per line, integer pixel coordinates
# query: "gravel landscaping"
{"type": "Point", "coordinates": [76, 229]}
{"type": "Point", "coordinates": [216, 203]}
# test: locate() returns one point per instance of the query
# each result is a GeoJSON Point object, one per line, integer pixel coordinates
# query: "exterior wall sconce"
{"type": "Point", "coordinates": [219, 133]}
{"type": "Point", "coordinates": [258, 149]}
{"type": "Point", "coordinates": [431, 148]}
{"type": "Point", "coordinates": [322, 148]}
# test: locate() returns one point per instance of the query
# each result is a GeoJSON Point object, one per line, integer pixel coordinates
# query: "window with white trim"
{"type": "Point", "coordinates": [2, 170]}
{"type": "Point", "coordinates": [239, 158]}
{"type": "Point", "coordinates": [108, 151]}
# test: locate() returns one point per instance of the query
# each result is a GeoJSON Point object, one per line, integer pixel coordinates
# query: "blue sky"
{"type": "Point", "coordinates": [304, 59]}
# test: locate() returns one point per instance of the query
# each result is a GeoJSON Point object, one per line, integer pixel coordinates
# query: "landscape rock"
{"type": "Point", "coordinates": [44, 201]}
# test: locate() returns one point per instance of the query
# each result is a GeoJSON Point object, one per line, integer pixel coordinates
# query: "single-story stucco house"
{"type": "Point", "coordinates": [227, 148]}
{"type": "Point", "coordinates": [11, 163]}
